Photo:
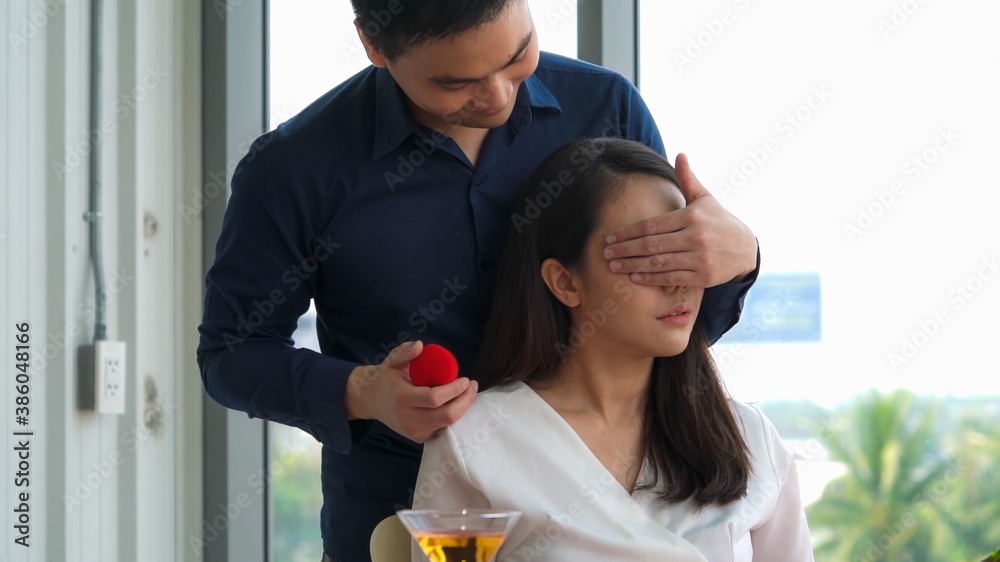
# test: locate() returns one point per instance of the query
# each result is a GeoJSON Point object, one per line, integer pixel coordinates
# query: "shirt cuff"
{"type": "Point", "coordinates": [323, 391]}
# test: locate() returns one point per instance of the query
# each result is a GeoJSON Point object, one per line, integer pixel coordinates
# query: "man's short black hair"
{"type": "Point", "coordinates": [394, 26]}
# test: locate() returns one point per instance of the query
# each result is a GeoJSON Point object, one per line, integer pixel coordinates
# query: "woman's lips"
{"type": "Point", "coordinates": [680, 315]}
{"type": "Point", "coordinates": [681, 319]}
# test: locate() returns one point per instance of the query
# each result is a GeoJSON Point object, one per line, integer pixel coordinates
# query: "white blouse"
{"type": "Point", "coordinates": [511, 450]}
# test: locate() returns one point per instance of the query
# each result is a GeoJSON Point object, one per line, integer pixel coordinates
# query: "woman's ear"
{"type": "Point", "coordinates": [561, 282]}
{"type": "Point", "coordinates": [373, 54]}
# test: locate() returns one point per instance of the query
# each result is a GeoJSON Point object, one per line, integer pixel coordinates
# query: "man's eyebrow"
{"type": "Point", "coordinates": [456, 80]}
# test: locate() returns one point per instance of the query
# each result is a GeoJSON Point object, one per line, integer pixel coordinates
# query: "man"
{"type": "Point", "coordinates": [387, 202]}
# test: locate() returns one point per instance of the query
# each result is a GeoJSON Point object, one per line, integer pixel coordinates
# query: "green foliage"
{"type": "Point", "coordinates": [916, 488]}
{"type": "Point", "coordinates": [297, 496]}
{"type": "Point", "coordinates": [793, 418]}
{"type": "Point", "coordinates": [973, 512]}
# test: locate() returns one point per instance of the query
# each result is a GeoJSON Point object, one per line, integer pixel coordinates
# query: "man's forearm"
{"type": "Point", "coordinates": [274, 381]}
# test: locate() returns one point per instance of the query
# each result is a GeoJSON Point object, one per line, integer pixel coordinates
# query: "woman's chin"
{"type": "Point", "coordinates": [675, 346]}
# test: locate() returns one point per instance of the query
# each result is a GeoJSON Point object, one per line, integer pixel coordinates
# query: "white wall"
{"type": "Point", "coordinates": [102, 487]}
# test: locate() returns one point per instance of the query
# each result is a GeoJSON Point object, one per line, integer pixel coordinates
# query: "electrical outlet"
{"type": "Point", "coordinates": [109, 369]}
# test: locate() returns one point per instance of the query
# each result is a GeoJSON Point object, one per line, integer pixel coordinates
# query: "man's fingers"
{"type": "Point", "coordinates": [660, 224]}
{"type": "Point", "coordinates": [691, 188]}
{"type": "Point", "coordinates": [456, 408]}
{"type": "Point", "coordinates": [649, 245]}
{"type": "Point", "coordinates": [425, 421]}
{"type": "Point", "coordinates": [437, 396]}
{"type": "Point", "coordinates": [665, 270]}
{"type": "Point", "coordinates": [402, 354]}
{"type": "Point", "coordinates": [659, 263]}
{"type": "Point", "coordinates": [679, 278]}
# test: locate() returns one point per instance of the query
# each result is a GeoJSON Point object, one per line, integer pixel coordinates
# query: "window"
{"type": "Point", "coordinates": [313, 47]}
{"type": "Point", "coordinates": [854, 138]}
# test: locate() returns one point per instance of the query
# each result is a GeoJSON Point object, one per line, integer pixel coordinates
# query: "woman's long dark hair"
{"type": "Point", "coordinates": [690, 435]}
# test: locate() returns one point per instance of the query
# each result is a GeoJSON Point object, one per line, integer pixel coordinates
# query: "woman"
{"type": "Point", "coordinates": [604, 421]}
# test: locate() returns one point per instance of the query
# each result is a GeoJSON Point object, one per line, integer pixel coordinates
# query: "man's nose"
{"type": "Point", "coordinates": [494, 92]}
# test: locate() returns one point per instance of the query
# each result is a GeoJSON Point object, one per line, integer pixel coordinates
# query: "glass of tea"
{"type": "Point", "coordinates": [459, 535]}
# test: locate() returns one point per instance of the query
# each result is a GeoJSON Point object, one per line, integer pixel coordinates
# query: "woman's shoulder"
{"type": "Point", "coordinates": [750, 416]}
{"type": "Point", "coordinates": [766, 446]}
{"type": "Point", "coordinates": [512, 392]}
{"type": "Point", "coordinates": [493, 409]}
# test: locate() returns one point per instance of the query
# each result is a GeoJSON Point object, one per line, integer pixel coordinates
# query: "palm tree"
{"type": "Point", "coordinates": [887, 504]}
{"type": "Point", "coordinates": [973, 513]}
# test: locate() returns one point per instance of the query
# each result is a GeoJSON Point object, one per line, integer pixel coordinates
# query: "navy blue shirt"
{"type": "Point", "coordinates": [395, 235]}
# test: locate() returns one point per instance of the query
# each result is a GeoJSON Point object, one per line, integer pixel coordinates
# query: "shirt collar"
{"type": "Point", "coordinates": [394, 122]}
{"type": "Point", "coordinates": [539, 95]}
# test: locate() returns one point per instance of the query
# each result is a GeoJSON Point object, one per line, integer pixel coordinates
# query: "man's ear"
{"type": "Point", "coordinates": [373, 54]}
{"type": "Point", "coordinates": [561, 282]}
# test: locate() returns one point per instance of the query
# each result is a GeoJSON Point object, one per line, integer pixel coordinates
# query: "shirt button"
{"type": "Point", "coordinates": [484, 265]}
{"type": "Point", "coordinates": [481, 180]}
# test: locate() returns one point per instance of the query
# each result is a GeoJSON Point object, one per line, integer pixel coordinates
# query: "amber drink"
{"type": "Point", "coordinates": [465, 535]}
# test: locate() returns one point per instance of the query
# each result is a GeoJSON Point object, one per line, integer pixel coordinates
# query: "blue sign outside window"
{"type": "Point", "coordinates": [780, 308]}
